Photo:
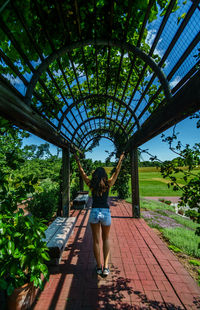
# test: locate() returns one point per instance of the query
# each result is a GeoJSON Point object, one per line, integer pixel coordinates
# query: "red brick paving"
{"type": "Point", "coordinates": [144, 273]}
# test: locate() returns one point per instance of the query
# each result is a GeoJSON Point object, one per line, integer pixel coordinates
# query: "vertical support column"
{"type": "Point", "coordinates": [59, 211]}
{"type": "Point", "coordinates": [66, 181]}
{"type": "Point", "coordinates": [135, 183]}
{"type": "Point", "coordinates": [80, 183]}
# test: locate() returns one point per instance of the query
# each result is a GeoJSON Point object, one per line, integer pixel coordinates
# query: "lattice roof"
{"type": "Point", "coordinates": [95, 69]}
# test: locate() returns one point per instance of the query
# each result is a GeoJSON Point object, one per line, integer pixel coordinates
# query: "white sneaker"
{"type": "Point", "coordinates": [106, 271]}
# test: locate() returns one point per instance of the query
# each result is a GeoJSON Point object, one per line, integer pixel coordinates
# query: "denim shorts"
{"type": "Point", "coordinates": [100, 215]}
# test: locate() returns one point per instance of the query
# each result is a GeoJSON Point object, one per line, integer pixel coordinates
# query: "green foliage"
{"type": "Point", "coordinates": [184, 221]}
{"type": "Point", "coordinates": [121, 185]}
{"type": "Point", "coordinates": [22, 251]}
{"type": "Point", "coordinates": [184, 239]}
{"type": "Point", "coordinates": [174, 248]}
{"type": "Point", "coordinates": [190, 158]}
{"type": "Point", "coordinates": [43, 168]}
{"type": "Point", "coordinates": [194, 262]}
{"type": "Point", "coordinates": [14, 187]}
{"type": "Point", "coordinates": [43, 205]}
{"type": "Point", "coordinates": [74, 188]}
{"type": "Point", "coordinates": [193, 214]}
{"type": "Point", "coordinates": [48, 13]}
{"type": "Point", "coordinates": [155, 205]}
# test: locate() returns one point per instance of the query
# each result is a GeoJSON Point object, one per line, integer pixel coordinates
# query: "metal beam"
{"type": "Point", "coordinates": [14, 109]}
{"type": "Point", "coordinates": [74, 104]}
{"type": "Point", "coordinates": [99, 136]}
{"type": "Point", "coordinates": [184, 103]}
{"type": "Point", "coordinates": [112, 43]}
{"type": "Point", "coordinates": [94, 118]}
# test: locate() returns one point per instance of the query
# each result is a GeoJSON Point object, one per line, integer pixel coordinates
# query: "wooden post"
{"type": "Point", "coordinates": [66, 181]}
{"type": "Point", "coordinates": [81, 183]}
{"type": "Point", "coordinates": [135, 183]}
{"type": "Point", "coordinates": [59, 211]}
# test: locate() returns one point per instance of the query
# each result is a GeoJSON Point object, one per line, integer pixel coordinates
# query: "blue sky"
{"type": "Point", "coordinates": [188, 134]}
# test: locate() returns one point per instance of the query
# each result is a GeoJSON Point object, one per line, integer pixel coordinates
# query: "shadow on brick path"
{"type": "Point", "coordinates": [144, 272]}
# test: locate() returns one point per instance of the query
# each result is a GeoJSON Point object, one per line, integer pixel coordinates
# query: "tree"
{"type": "Point", "coordinates": [14, 187]}
{"type": "Point", "coordinates": [186, 163]}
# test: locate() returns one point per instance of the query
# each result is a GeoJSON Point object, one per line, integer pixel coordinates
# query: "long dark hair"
{"type": "Point", "coordinates": [99, 181]}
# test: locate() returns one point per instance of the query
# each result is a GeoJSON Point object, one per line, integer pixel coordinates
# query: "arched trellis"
{"type": "Point", "coordinates": [98, 96]}
{"type": "Point", "coordinates": [98, 131]}
{"type": "Point", "coordinates": [97, 117]}
{"type": "Point", "coordinates": [100, 136]}
{"type": "Point", "coordinates": [160, 120]}
{"type": "Point", "coordinates": [110, 43]}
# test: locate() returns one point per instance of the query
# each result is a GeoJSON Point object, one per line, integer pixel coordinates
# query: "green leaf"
{"type": "Point", "coordinates": [3, 284]}
{"type": "Point", "coordinates": [10, 289]}
{"type": "Point", "coordinates": [45, 256]}
{"type": "Point", "coordinates": [11, 247]}
{"type": "Point", "coordinates": [17, 234]}
{"type": "Point", "coordinates": [13, 269]}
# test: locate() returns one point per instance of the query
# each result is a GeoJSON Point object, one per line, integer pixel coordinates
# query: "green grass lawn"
{"type": "Point", "coordinates": [151, 183]}
{"type": "Point", "coordinates": [184, 237]}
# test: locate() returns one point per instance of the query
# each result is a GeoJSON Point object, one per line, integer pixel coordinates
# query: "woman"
{"type": "Point", "coordinates": [100, 216]}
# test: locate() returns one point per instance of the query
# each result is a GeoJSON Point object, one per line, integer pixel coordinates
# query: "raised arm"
{"type": "Point", "coordinates": [82, 172]}
{"type": "Point", "coordinates": [113, 178]}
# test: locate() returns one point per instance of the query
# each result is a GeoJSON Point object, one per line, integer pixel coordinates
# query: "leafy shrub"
{"type": "Point", "coordinates": [43, 205]}
{"type": "Point", "coordinates": [192, 214]}
{"type": "Point", "coordinates": [121, 185]}
{"type": "Point", "coordinates": [74, 188]}
{"type": "Point", "coordinates": [23, 253]}
{"type": "Point", "coordinates": [168, 202]}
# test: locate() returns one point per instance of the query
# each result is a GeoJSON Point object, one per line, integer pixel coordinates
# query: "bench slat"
{"type": "Point", "coordinates": [53, 228]}
{"type": "Point", "coordinates": [81, 198]}
{"type": "Point", "coordinates": [57, 236]}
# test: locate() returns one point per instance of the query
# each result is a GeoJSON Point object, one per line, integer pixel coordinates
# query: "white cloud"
{"type": "Point", "coordinates": [13, 80]}
{"type": "Point", "coordinates": [150, 39]}
{"type": "Point", "coordinates": [175, 81]}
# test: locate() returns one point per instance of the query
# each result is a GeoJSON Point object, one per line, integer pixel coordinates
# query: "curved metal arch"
{"type": "Point", "coordinates": [91, 131]}
{"type": "Point", "coordinates": [122, 45]}
{"type": "Point", "coordinates": [93, 96]}
{"type": "Point", "coordinates": [97, 117]}
{"type": "Point", "coordinates": [93, 139]}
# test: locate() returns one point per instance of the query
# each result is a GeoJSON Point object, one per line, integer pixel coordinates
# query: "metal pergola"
{"type": "Point", "coordinates": [84, 70]}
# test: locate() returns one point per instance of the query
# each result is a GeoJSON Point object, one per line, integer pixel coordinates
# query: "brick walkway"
{"type": "Point", "coordinates": [144, 273]}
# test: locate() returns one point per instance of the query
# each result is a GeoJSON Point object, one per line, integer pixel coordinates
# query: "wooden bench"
{"type": "Point", "coordinates": [57, 235]}
{"type": "Point", "coordinates": [80, 202]}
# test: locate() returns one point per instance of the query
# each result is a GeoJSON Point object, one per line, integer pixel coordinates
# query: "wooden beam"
{"type": "Point", "coordinates": [66, 181]}
{"type": "Point", "coordinates": [183, 104]}
{"type": "Point", "coordinates": [135, 183]}
{"type": "Point", "coordinates": [15, 110]}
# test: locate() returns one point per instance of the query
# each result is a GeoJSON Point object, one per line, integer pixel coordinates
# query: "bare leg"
{"type": "Point", "coordinates": [106, 244]}
{"type": "Point", "coordinates": [96, 242]}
